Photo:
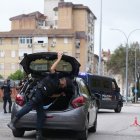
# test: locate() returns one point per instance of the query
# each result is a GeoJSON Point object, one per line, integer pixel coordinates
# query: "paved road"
{"type": "Point", "coordinates": [111, 126]}
{"type": "Point", "coordinates": [118, 126]}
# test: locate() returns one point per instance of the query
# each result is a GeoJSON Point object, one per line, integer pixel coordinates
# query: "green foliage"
{"type": "Point", "coordinates": [1, 76]}
{"type": "Point", "coordinates": [18, 75]}
{"type": "Point", "coordinates": [117, 63]}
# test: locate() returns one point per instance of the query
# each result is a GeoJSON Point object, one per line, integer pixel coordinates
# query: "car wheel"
{"type": "Point", "coordinates": [82, 135]}
{"type": "Point", "coordinates": [118, 109]}
{"type": "Point", "coordinates": [18, 132]}
{"type": "Point", "coordinates": [94, 127]}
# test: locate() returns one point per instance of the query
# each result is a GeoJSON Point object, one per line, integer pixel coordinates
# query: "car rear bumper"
{"type": "Point", "coordinates": [69, 120]}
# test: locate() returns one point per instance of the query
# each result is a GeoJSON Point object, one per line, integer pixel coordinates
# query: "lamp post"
{"type": "Point", "coordinates": [127, 39]}
{"type": "Point", "coordinates": [100, 40]}
{"type": "Point", "coordinates": [136, 73]}
{"type": "Point", "coordinates": [135, 90]}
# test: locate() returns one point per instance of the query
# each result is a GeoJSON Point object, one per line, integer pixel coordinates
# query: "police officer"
{"type": "Point", "coordinates": [6, 95]}
{"type": "Point", "coordinates": [41, 91]}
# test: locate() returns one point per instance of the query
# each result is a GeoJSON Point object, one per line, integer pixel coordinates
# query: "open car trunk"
{"type": "Point", "coordinates": [57, 103]}
{"type": "Point", "coordinates": [38, 66]}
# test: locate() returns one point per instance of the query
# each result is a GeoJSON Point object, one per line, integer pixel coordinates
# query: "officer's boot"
{"type": "Point", "coordinates": [9, 108]}
{"type": "Point", "coordinates": [12, 123]}
{"type": "Point", "coordinates": [5, 110]}
{"type": "Point", "coordinates": [39, 135]}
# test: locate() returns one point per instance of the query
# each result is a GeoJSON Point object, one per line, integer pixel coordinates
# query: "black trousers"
{"type": "Point", "coordinates": [5, 100]}
{"type": "Point", "coordinates": [37, 103]}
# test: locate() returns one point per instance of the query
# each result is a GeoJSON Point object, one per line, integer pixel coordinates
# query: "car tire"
{"type": "Point", "coordinates": [118, 109]}
{"type": "Point", "coordinates": [94, 127]}
{"type": "Point", "coordinates": [82, 135]}
{"type": "Point", "coordinates": [18, 133]}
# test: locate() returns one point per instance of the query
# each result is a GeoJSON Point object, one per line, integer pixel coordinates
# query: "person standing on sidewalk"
{"type": "Point", "coordinates": [6, 95]}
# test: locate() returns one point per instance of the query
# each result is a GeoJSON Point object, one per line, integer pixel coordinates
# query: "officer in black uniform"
{"type": "Point", "coordinates": [6, 95]}
{"type": "Point", "coordinates": [41, 91]}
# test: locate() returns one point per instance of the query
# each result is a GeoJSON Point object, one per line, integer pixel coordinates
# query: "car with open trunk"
{"type": "Point", "coordinates": [76, 111]}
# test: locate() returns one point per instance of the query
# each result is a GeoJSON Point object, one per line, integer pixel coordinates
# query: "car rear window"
{"type": "Point", "coordinates": [45, 65]}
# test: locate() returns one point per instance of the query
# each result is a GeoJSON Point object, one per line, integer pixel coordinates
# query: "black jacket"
{"type": "Point", "coordinates": [6, 90]}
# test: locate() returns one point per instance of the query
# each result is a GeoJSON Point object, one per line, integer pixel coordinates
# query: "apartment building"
{"type": "Point", "coordinates": [70, 30]}
{"type": "Point", "coordinates": [81, 20]}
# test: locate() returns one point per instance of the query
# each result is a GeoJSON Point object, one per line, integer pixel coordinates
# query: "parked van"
{"type": "Point", "coordinates": [106, 90]}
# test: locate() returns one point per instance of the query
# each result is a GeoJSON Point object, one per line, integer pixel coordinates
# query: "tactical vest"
{"type": "Point", "coordinates": [49, 85]}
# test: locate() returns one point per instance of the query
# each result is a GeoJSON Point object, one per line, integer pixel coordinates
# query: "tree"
{"type": "Point", "coordinates": [18, 75]}
{"type": "Point", "coordinates": [117, 63]}
{"type": "Point", "coordinates": [1, 76]}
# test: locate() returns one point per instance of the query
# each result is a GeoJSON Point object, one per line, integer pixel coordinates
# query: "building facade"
{"type": "Point", "coordinates": [71, 31]}
{"type": "Point", "coordinates": [81, 20]}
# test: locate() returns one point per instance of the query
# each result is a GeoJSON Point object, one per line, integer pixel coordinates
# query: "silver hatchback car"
{"type": "Point", "coordinates": [75, 111]}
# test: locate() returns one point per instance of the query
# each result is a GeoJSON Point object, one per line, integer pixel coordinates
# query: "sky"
{"type": "Point", "coordinates": [116, 14]}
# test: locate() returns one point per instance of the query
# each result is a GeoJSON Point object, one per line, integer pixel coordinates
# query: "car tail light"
{"type": "Point", "coordinates": [20, 99]}
{"type": "Point", "coordinates": [79, 101]}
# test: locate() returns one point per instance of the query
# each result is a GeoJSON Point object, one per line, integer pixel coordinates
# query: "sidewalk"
{"type": "Point", "coordinates": [132, 104]}
{"type": "Point", "coordinates": [1, 106]}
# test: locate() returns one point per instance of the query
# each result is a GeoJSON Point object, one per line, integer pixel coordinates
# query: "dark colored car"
{"type": "Point", "coordinates": [78, 113]}
{"type": "Point", "coordinates": [105, 89]}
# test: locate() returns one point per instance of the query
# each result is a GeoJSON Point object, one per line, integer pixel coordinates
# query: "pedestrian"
{"type": "Point", "coordinates": [6, 95]}
{"type": "Point", "coordinates": [47, 87]}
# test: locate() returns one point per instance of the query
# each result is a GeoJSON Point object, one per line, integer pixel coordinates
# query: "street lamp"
{"type": "Point", "coordinates": [127, 39]}
{"type": "Point", "coordinates": [135, 90]}
{"type": "Point", "coordinates": [136, 73]}
{"type": "Point", "coordinates": [100, 41]}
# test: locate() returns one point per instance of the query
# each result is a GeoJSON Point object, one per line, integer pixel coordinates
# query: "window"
{"type": "Point", "coordinates": [77, 43]}
{"type": "Point", "coordinates": [54, 39]}
{"type": "Point", "coordinates": [44, 65]}
{"type": "Point", "coordinates": [53, 43]}
{"type": "Point", "coordinates": [56, 13]}
{"type": "Point", "coordinates": [13, 54]}
{"type": "Point", "coordinates": [41, 23]}
{"type": "Point", "coordinates": [2, 53]}
{"type": "Point", "coordinates": [40, 42]}
{"type": "Point", "coordinates": [56, 22]}
{"type": "Point", "coordinates": [1, 40]}
{"type": "Point", "coordinates": [14, 41]}
{"type": "Point", "coordinates": [29, 40]}
{"type": "Point", "coordinates": [106, 84]}
{"type": "Point", "coordinates": [22, 40]}
{"type": "Point", "coordinates": [25, 40]}
{"type": "Point", "coordinates": [65, 40]}
{"type": "Point", "coordinates": [77, 55]}
{"type": "Point", "coordinates": [13, 66]}
{"type": "Point", "coordinates": [1, 66]}
{"type": "Point", "coordinates": [95, 83]}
